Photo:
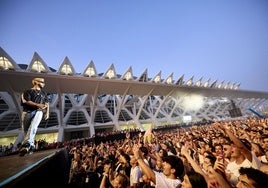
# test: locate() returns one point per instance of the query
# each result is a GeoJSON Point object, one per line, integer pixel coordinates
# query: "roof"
{"type": "Point", "coordinates": [14, 78]}
{"type": "Point", "coordinates": [14, 81]}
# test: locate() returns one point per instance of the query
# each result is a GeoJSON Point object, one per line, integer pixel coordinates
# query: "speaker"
{"type": "Point", "coordinates": [235, 112]}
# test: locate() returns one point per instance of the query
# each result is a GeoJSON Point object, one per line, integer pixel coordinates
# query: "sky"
{"type": "Point", "coordinates": [223, 40]}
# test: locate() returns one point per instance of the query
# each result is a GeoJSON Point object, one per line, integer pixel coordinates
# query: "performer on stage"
{"type": "Point", "coordinates": [35, 106]}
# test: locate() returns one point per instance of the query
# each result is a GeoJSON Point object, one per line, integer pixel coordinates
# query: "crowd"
{"type": "Point", "coordinates": [208, 155]}
{"type": "Point", "coordinates": [216, 154]}
{"type": "Point", "coordinates": [219, 154]}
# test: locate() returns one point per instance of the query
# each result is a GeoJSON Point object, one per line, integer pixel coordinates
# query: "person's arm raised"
{"type": "Point", "coordinates": [144, 167]}
{"type": "Point", "coordinates": [238, 142]}
{"type": "Point", "coordinates": [193, 163]}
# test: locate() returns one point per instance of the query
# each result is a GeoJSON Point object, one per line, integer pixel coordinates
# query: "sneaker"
{"type": "Point", "coordinates": [25, 145]}
{"type": "Point", "coordinates": [31, 150]}
{"type": "Point", "coordinates": [23, 151]}
{"type": "Point", "coordinates": [26, 149]}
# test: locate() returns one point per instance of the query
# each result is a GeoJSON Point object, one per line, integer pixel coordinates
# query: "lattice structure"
{"type": "Point", "coordinates": [90, 101]}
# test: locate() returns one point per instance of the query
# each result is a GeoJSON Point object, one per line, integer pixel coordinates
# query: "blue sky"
{"type": "Point", "coordinates": [224, 40]}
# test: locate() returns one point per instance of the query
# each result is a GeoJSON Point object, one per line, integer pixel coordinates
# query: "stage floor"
{"type": "Point", "coordinates": [13, 166]}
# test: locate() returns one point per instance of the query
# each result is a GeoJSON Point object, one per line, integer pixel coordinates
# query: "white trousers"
{"type": "Point", "coordinates": [31, 132]}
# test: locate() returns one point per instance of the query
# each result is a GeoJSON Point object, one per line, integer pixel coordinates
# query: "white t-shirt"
{"type": "Point", "coordinates": [163, 182]}
{"type": "Point", "coordinates": [135, 175]}
{"type": "Point", "coordinates": [233, 169]}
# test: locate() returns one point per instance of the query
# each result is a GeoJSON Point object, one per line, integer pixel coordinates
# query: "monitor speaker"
{"type": "Point", "coordinates": [235, 112]}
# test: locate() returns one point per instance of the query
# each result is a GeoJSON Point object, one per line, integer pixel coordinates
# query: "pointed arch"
{"type": "Point", "coordinates": [206, 84]}
{"type": "Point", "coordinates": [169, 79]}
{"type": "Point", "coordinates": [128, 74]}
{"type": "Point", "coordinates": [110, 73]}
{"type": "Point", "coordinates": [37, 64]}
{"type": "Point", "coordinates": [220, 85]}
{"type": "Point", "coordinates": [143, 77]}
{"type": "Point", "coordinates": [214, 84]}
{"type": "Point", "coordinates": [199, 82]}
{"type": "Point", "coordinates": [190, 81]}
{"type": "Point", "coordinates": [157, 78]}
{"type": "Point", "coordinates": [66, 67]}
{"type": "Point", "coordinates": [90, 71]}
{"type": "Point", "coordinates": [180, 80]}
{"type": "Point", "coordinates": [6, 62]}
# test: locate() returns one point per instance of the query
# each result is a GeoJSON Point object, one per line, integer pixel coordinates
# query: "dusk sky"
{"type": "Point", "coordinates": [224, 40]}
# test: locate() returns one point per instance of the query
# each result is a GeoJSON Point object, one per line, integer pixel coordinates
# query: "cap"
{"type": "Point", "coordinates": [38, 80]}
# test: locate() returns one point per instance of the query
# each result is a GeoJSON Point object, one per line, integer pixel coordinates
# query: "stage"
{"type": "Point", "coordinates": [35, 169]}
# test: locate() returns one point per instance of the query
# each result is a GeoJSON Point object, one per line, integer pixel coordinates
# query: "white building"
{"type": "Point", "coordinates": [82, 104]}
